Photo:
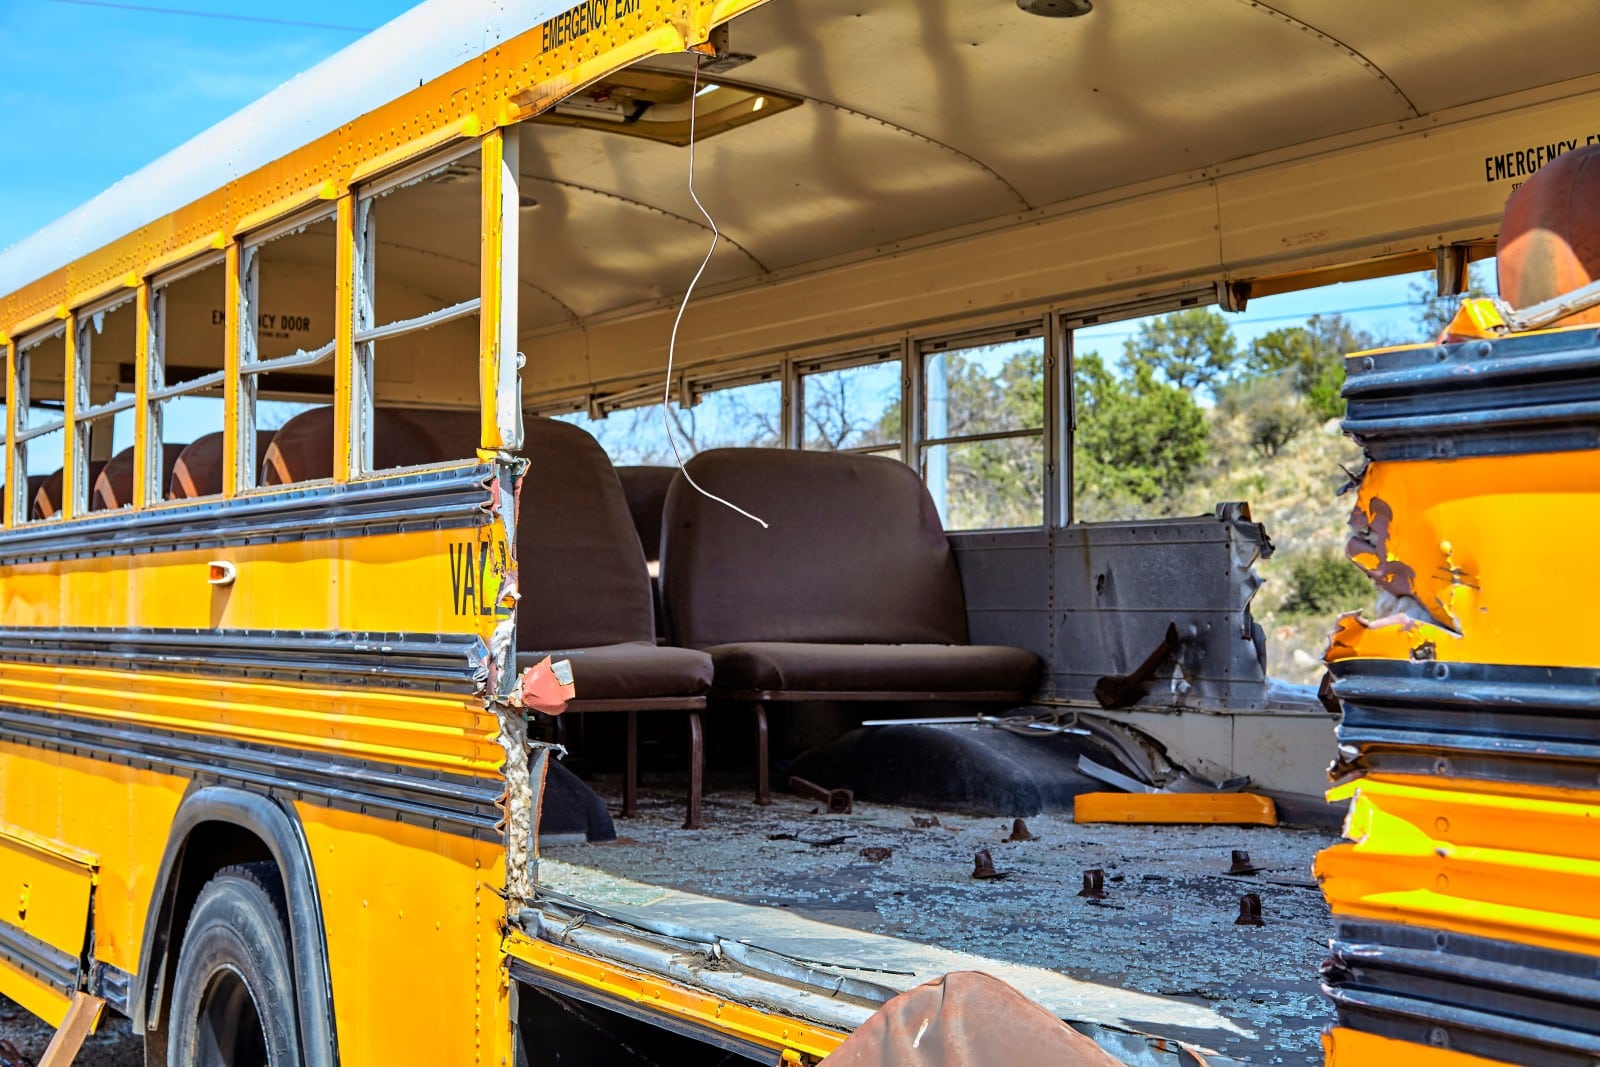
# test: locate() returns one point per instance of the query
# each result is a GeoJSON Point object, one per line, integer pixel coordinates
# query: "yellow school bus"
{"type": "Point", "coordinates": [307, 577]}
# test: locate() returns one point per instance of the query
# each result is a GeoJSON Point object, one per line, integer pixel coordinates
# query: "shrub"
{"type": "Point", "coordinates": [1325, 584]}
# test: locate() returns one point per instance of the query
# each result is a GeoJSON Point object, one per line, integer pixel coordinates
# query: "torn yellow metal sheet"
{"type": "Point", "coordinates": [1480, 560]}
{"type": "Point", "coordinates": [1244, 808]}
{"type": "Point", "coordinates": [791, 1038]}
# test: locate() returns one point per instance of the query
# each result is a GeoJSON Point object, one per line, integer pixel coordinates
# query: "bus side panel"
{"type": "Point", "coordinates": [413, 919]}
{"type": "Point", "coordinates": [118, 814]}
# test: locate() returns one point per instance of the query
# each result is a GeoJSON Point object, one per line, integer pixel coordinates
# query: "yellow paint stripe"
{"type": "Point", "coordinates": [413, 728]}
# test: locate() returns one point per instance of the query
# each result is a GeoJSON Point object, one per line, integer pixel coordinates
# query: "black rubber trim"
{"type": "Point", "coordinates": [43, 961]}
{"type": "Point", "coordinates": [455, 498]}
{"type": "Point", "coordinates": [274, 822]}
{"type": "Point", "coordinates": [393, 660]}
{"type": "Point", "coordinates": [1534, 393]}
{"type": "Point", "coordinates": [436, 800]}
{"type": "Point", "coordinates": [1496, 999]}
{"type": "Point", "coordinates": [561, 987]}
{"type": "Point", "coordinates": [1474, 720]}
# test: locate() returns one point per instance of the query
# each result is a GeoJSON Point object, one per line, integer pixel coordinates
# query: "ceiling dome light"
{"type": "Point", "coordinates": [1056, 9]}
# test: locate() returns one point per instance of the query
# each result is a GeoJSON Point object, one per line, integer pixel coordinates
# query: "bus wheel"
{"type": "Point", "coordinates": [233, 1001]}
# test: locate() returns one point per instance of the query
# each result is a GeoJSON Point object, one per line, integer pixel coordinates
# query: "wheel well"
{"type": "Point", "coordinates": [209, 847]}
{"type": "Point", "coordinates": [217, 826]}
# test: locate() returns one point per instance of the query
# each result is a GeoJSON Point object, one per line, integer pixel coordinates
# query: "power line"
{"type": "Point", "coordinates": [297, 23]}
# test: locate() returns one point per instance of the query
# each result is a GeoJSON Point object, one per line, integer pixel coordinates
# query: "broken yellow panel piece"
{"type": "Point", "coordinates": [1175, 808]}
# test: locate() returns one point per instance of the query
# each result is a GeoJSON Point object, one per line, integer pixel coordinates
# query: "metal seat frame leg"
{"type": "Point", "coordinates": [697, 770]}
{"type": "Point", "coordinates": [763, 774]}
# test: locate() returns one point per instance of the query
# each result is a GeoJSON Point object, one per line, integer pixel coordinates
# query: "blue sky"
{"type": "Point", "coordinates": [93, 92]}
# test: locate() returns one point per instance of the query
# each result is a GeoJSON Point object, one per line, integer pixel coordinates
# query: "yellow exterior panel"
{"type": "Point", "coordinates": [118, 813]}
{"type": "Point", "coordinates": [413, 919]}
{"type": "Point", "coordinates": [403, 582]}
{"type": "Point", "coordinates": [44, 891]}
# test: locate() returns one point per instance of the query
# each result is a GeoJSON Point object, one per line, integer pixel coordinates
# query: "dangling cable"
{"type": "Point", "coordinates": [672, 342]}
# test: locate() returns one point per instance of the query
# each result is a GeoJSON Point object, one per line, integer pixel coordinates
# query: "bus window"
{"type": "Point", "coordinates": [983, 439]}
{"type": "Point", "coordinates": [187, 317]}
{"type": "Point", "coordinates": [854, 406]}
{"type": "Point", "coordinates": [105, 348]}
{"type": "Point", "coordinates": [745, 415]}
{"type": "Point", "coordinates": [417, 294]}
{"type": "Point", "coordinates": [738, 414]}
{"type": "Point", "coordinates": [288, 287]}
{"type": "Point", "coordinates": [40, 437]}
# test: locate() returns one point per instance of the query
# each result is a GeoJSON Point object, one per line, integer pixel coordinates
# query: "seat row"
{"type": "Point", "coordinates": [850, 593]}
{"type": "Point", "coordinates": [301, 450]}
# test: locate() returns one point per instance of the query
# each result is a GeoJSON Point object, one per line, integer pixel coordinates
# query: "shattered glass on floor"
{"type": "Point", "coordinates": [1165, 926]}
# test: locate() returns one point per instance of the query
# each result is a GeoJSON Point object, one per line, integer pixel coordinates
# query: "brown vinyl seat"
{"type": "Point", "coordinates": [646, 490]}
{"type": "Point", "coordinates": [47, 497]}
{"type": "Point", "coordinates": [851, 594]}
{"type": "Point", "coordinates": [197, 471]}
{"type": "Point", "coordinates": [586, 597]}
{"type": "Point", "coordinates": [302, 450]}
{"type": "Point", "coordinates": [114, 488]}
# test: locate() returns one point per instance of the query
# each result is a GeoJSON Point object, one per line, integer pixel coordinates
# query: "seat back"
{"type": "Point", "coordinates": [646, 491]}
{"type": "Point", "coordinates": [855, 553]}
{"type": "Point", "coordinates": [302, 450]}
{"type": "Point", "coordinates": [114, 488]}
{"type": "Point", "coordinates": [197, 471]}
{"type": "Point", "coordinates": [581, 570]}
{"type": "Point", "coordinates": [47, 498]}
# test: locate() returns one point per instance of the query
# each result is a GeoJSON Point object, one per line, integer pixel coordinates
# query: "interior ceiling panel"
{"type": "Point", "coordinates": [920, 118]}
{"type": "Point", "coordinates": [1446, 55]}
{"type": "Point", "coordinates": [1135, 90]}
{"type": "Point", "coordinates": [593, 251]}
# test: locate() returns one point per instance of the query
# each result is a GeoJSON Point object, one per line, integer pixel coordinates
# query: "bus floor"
{"type": "Point", "coordinates": [1159, 954]}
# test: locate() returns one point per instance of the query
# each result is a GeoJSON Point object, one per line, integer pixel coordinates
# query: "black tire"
{"type": "Point", "coordinates": [233, 1001]}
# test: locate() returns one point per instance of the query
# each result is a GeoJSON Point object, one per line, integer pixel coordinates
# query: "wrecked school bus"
{"type": "Point", "coordinates": [328, 554]}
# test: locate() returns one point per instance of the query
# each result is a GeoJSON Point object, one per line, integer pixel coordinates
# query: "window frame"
{"type": "Point", "coordinates": [1043, 327]}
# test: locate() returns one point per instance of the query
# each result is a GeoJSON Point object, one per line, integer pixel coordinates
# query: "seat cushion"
{"type": "Point", "coordinates": [631, 671]}
{"type": "Point", "coordinates": [899, 669]}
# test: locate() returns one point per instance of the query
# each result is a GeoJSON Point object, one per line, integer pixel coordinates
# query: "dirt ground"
{"type": "Point", "coordinates": [114, 1045]}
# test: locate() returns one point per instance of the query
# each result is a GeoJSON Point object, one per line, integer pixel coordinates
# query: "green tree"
{"type": "Point", "coordinates": [1311, 358]}
{"type": "Point", "coordinates": [1191, 349]}
{"type": "Point", "coordinates": [1138, 438]}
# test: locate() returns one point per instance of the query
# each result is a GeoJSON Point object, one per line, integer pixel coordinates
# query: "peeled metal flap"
{"type": "Point", "coordinates": [966, 1019]}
